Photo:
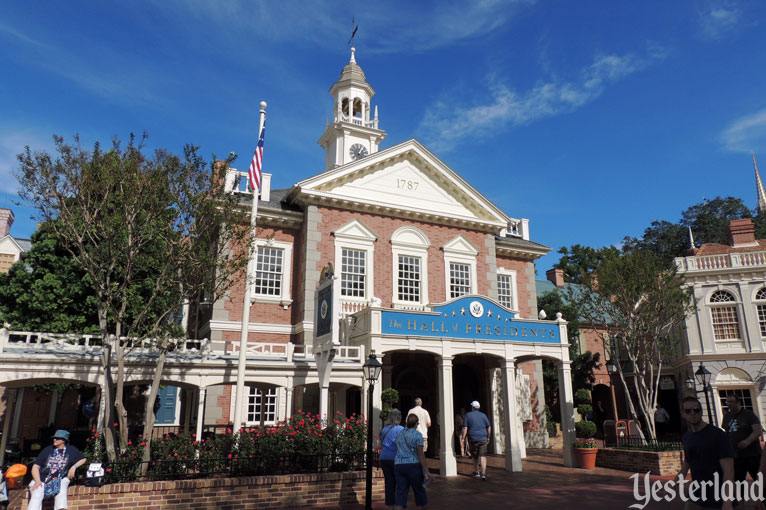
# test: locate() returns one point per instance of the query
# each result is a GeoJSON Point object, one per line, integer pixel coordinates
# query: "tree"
{"type": "Point", "coordinates": [578, 262]}
{"type": "Point", "coordinates": [583, 364]}
{"type": "Point", "coordinates": [637, 305]}
{"type": "Point", "coordinates": [151, 233]}
{"type": "Point", "coordinates": [47, 290]}
{"type": "Point", "coordinates": [708, 221]}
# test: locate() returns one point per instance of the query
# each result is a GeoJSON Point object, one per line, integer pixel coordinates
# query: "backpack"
{"type": "Point", "coordinates": [95, 475]}
{"type": "Point", "coordinates": [52, 487]}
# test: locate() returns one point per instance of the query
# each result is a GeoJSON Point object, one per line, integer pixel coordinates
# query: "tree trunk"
{"type": "Point", "coordinates": [149, 409]}
{"type": "Point", "coordinates": [106, 395]}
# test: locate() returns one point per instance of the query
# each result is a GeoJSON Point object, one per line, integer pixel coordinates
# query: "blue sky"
{"type": "Point", "coordinates": [590, 118]}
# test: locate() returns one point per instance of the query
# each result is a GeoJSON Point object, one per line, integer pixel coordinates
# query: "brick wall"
{"type": "Point", "coordinates": [658, 463]}
{"type": "Point", "coordinates": [263, 492]}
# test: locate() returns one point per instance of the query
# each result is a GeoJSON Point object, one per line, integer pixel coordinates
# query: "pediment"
{"type": "Point", "coordinates": [406, 178]}
{"type": "Point", "coordinates": [460, 246]}
{"type": "Point", "coordinates": [355, 230]}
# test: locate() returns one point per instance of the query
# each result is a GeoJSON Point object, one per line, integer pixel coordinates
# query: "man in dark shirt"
{"type": "Point", "coordinates": [744, 430]}
{"type": "Point", "coordinates": [477, 429]}
{"type": "Point", "coordinates": [706, 451]}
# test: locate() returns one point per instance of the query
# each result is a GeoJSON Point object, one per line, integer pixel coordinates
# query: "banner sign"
{"type": "Point", "coordinates": [469, 318]}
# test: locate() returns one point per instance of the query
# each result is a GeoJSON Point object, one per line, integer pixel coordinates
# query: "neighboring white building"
{"type": "Point", "coordinates": [728, 332]}
{"type": "Point", "coordinates": [11, 247]}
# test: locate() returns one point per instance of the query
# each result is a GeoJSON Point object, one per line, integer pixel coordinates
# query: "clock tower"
{"type": "Point", "coordinates": [352, 134]}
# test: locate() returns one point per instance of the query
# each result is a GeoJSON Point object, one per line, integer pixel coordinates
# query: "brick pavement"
{"type": "Point", "coordinates": [544, 484]}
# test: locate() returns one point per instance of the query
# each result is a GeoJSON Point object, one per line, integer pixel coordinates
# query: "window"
{"type": "Point", "coordinates": [725, 318]}
{"type": "Point", "coordinates": [6, 261]}
{"type": "Point", "coordinates": [408, 287]}
{"type": "Point", "coordinates": [272, 271]}
{"type": "Point", "coordinates": [459, 279]}
{"type": "Point", "coordinates": [258, 402]}
{"type": "Point", "coordinates": [760, 310]}
{"type": "Point", "coordinates": [354, 251]}
{"type": "Point", "coordinates": [506, 288]}
{"type": "Point", "coordinates": [352, 273]}
{"type": "Point", "coordinates": [268, 271]}
{"type": "Point", "coordinates": [460, 267]}
{"type": "Point", "coordinates": [410, 272]}
{"type": "Point", "coordinates": [744, 397]}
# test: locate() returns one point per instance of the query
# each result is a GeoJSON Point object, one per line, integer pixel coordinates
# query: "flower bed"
{"type": "Point", "coordinates": [298, 445]}
{"type": "Point", "coordinates": [637, 461]}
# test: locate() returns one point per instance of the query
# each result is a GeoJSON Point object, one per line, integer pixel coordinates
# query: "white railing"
{"type": "Point", "coordinates": [357, 121]}
{"type": "Point", "coordinates": [351, 307]}
{"type": "Point", "coordinates": [721, 261]}
{"type": "Point", "coordinates": [350, 353]}
{"type": "Point", "coordinates": [47, 342]}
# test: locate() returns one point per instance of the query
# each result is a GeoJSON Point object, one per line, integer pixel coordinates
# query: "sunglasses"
{"type": "Point", "coordinates": [695, 410]}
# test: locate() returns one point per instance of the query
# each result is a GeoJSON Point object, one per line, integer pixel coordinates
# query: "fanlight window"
{"type": "Point", "coordinates": [725, 317]}
{"type": "Point", "coordinates": [760, 310]}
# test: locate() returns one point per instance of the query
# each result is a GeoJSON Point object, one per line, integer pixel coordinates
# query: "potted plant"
{"type": "Point", "coordinates": [389, 397]}
{"type": "Point", "coordinates": [585, 447]}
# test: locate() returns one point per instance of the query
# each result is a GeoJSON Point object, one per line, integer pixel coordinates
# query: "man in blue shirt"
{"type": "Point", "coordinates": [477, 427]}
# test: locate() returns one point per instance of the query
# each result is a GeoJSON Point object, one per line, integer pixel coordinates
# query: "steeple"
{"type": "Point", "coordinates": [759, 188]}
{"type": "Point", "coordinates": [352, 134]}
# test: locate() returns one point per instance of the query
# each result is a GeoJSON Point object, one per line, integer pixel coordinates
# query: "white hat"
{"type": "Point", "coordinates": [475, 404]}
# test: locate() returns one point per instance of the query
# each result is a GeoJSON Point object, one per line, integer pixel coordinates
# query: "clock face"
{"type": "Point", "coordinates": [357, 151]}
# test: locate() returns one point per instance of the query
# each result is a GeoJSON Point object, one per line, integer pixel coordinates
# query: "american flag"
{"type": "Point", "coordinates": [255, 165]}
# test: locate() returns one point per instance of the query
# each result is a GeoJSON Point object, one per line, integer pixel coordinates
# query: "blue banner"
{"type": "Point", "coordinates": [469, 318]}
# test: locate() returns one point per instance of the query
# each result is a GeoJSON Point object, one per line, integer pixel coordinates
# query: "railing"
{"type": "Point", "coordinates": [37, 341]}
{"type": "Point", "coordinates": [721, 261]}
{"type": "Point", "coordinates": [207, 467]}
{"type": "Point", "coordinates": [641, 443]}
{"type": "Point", "coordinates": [357, 121]}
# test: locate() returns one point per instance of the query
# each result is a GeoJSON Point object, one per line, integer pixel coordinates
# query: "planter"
{"type": "Point", "coordinates": [586, 457]}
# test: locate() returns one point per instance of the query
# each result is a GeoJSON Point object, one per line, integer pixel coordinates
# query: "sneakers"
{"type": "Point", "coordinates": [476, 474]}
{"type": "Point", "coordinates": [484, 477]}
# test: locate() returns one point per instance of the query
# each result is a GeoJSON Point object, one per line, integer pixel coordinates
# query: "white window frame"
{"type": "Point", "coordinates": [409, 242]}
{"type": "Point", "coordinates": [355, 236]}
{"type": "Point", "coordinates": [459, 251]}
{"type": "Point", "coordinates": [514, 297]}
{"type": "Point", "coordinates": [725, 304]}
{"type": "Point", "coordinates": [284, 299]}
{"type": "Point", "coordinates": [252, 393]}
{"type": "Point", "coordinates": [760, 306]}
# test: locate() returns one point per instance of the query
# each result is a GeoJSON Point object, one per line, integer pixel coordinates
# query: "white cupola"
{"type": "Point", "coordinates": [352, 134]}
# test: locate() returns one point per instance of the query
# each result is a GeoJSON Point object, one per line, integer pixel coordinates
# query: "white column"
{"type": "Point", "coordinates": [200, 411]}
{"type": "Point", "coordinates": [519, 422]}
{"type": "Point", "coordinates": [510, 417]}
{"type": "Point", "coordinates": [10, 409]}
{"type": "Point", "coordinates": [567, 412]}
{"type": "Point", "coordinates": [447, 461]}
{"type": "Point", "coordinates": [289, 398]}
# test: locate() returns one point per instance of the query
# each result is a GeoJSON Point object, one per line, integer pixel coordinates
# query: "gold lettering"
{"type": "Point", "coordinates": [424, 326]}
{"type": "Point", "coordinates": [412, 325]}
{"type": "Point", "coordinates": [542, 333]}
{"type": "Point", "coordinates": [444, 330]}
{"type": "Point", "coordinates": [467, 328]}
{"type": "Point", "coordinates": [533, 332]}
{"type": "Point", "coordinates": [514, 331]}
{"type": "Point", "coordinates": [523, 331]}
{"type": "Point", "coordinates": [552, 333]}
{"type": "Point", "coordinates": [478, 329]}
{"type": "Point", "coordinates": [433, 326]}
{"type": "Point", "coordinates": [455, 327]}
{"type": "Point", "coordinates": [487, 330]}
{"type": "Point", "coordinates": [497, 330]}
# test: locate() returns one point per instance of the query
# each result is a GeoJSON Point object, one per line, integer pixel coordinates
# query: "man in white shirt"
{"type": "Point", "coordinates": [425, 420]}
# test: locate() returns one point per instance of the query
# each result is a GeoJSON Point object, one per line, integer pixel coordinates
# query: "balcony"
{"type": "Point", "coordinates": [722, 261]}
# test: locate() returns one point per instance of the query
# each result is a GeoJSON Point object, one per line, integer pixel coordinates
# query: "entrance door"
{"type": "Point", "coordinates": [165, 405]}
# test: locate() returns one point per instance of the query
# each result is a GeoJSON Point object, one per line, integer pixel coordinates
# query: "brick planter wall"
{"type": "Point", "coordinates": [246, 493]}
{"type": "Point", "coordinates": [658, 463]}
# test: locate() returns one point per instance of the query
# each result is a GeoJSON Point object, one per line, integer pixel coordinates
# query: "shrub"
{"type": "Point", "coordinates": [585, 429]}
{"type": "Point", "coordinates": [582, 396]}
{"type": "Point", "coordinates": [550, 423]}
{"type": "Point", "coordinates": [584, 410]}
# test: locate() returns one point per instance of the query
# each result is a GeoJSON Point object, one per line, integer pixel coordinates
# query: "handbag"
{"type": "Point", "coordinates": [52, 487]}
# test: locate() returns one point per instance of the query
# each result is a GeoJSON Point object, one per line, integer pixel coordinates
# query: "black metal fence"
{"type": "Point", "coordinates": [204, 467]}
{"type": "Point", "coordinates": [642, 443]}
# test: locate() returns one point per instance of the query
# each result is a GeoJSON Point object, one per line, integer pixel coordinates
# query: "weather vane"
{"type": "Point", "coordinates": [354, 28]}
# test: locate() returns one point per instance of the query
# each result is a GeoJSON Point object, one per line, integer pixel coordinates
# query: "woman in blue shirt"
{"type": "Point", "coordinates": [410, 466]}
{"type": "Point", "coordinates": [388, 452]}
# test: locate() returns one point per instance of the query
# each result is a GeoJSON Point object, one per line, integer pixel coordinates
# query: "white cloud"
{"type": "Point", "coordinates": [445, 125]}
{"type": "Point", "coordinates": [718, 19]}
{"type": "Point", "coordinates": [746, 133]}
{"type": "Point", "coordinates": [390, 27]}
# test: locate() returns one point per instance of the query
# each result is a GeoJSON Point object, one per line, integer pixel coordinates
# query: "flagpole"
{"type": "Point", "coordinates": [240, 391]}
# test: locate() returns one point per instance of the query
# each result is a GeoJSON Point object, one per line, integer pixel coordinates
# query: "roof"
{"type": "Point", "coordinates": [720, 249]}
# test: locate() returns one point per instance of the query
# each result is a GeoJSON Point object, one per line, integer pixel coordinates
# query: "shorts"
{"type": "Point", "coordinates": [478, 448]}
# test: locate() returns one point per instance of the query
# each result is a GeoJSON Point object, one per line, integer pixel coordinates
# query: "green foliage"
{"type": "Point", "coordinates": [582, 396]}
{"type": "Point", "coordinates": [550, 423]}
{"type": "Point", "coordinates": [580, 262]}
{"type": "Point", "coordinates": [61, 388]}
{"type": "Point", "coordinates": [585, 429]}
{"type": "Point", "coordinates": [389, 397]}
{"type": "Point", "coordinates": [584, 410]}
{"type": "Point", "coordinates": [47, 290]}
{"type": "Point", "coordinates": [585, 443]}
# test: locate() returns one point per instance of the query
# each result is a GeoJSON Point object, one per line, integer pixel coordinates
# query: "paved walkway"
{"type": "Point", "coordinates": [543, 484]}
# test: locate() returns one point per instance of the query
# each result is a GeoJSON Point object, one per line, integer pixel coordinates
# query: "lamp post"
{"type": "Point", "coordinates": [703, 376]}
{"type": "Point", "coordinates": [611, 368]}
{"type": "Point", "coordinates": [372, 370]}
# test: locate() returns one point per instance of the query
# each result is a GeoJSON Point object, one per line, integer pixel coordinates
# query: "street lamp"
{"type": "Point", "coordinates": [611, 366]}
{"type": "Point", "coordinates": [372, 370]}
{"type": "Point", "coordinates": [703, 376]}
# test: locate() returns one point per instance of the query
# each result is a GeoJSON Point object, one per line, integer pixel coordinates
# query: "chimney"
{"type": "Point", "coordinates": [741, 232]}
{"type": "Point", "coordinates": [556, 276]}
{"type": "Point", "coordinates": [6, 220]}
